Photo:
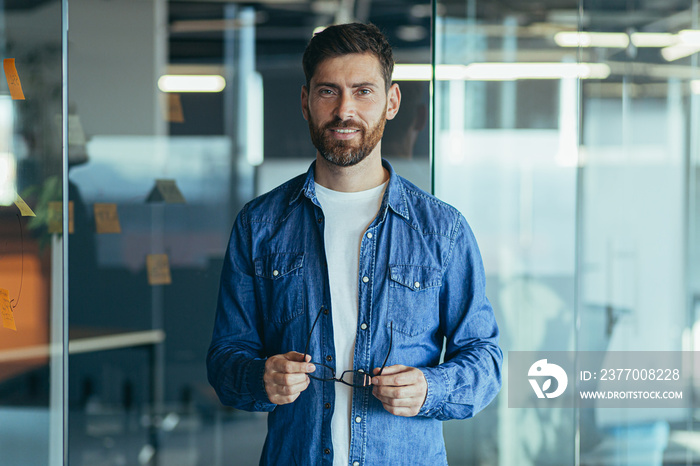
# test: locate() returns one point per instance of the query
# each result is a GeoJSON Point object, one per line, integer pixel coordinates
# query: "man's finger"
{"type": "Point", "coordinates": [402, 392]}
{"type": "Point", "coordinates": [402, 411]}
{"type": "Point", "coordinates": [288, 364]}
{"type": "Point", "coordinates": [397, 375]}
{"type": "Point", "coordinates": [285, 378]}
{"type": "Point", "coordinates": [390, 401]}
{"type": "Point", "coordinates": [290, 390]}
{"type": "Point", "coordinates": [296, 356]}
{"type": "Point", "coordinates": [388, 370]}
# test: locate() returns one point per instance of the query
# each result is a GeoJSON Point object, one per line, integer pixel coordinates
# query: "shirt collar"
{"type": "Point", "coordinates": [394, 196]}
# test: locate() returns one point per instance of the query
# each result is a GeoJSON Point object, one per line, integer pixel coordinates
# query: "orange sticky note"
{"type": "Point", "coordinates": [56, 217]}
{"type": "Point", "coordinates": [13, 79]}
{"type": "Point", "coordinates": [8, 317]}
{"type": "Point", "coordinates": [106, 218]}
{"type": "Point", "coordinates": [158, 269]}
{"type": "Point", "coordinates": [24, 209]}
{"type": "Point", "coordinates": [174, 112]}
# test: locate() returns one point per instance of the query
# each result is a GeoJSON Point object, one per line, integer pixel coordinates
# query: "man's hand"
{"type": "Point", "coordinates": [285, 376]}
{"type": "Point", "coordinates": [402, 390]}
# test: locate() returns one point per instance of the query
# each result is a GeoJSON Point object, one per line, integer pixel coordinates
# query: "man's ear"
{"type": "Point", "coordinates": [305, 102]}
{"type": "Point", "coordinates": [393, 101]}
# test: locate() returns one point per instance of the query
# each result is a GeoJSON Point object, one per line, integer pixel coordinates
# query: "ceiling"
{"type": "Point", "coordinates": [283, 27]}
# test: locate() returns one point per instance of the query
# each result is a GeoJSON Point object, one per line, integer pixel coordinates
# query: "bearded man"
{"type": "Point", "coordinates": [341, 286]}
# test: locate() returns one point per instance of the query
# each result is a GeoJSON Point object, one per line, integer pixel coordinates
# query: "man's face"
{"type": "Point", "coordinates": [347, 106]}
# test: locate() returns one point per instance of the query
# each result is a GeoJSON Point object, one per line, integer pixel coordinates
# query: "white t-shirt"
{"type": "Point", "coordinates": [347, 216]}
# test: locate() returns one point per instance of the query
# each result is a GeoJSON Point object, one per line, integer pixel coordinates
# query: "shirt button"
{"type": "Point", "coordinates": [325, 310]}
{"type": "Point", "coordinates": [327, 406]}
{"type": "Point", "coordinates": [327, 451]}
{"type": "Point", "coordinates": [358, 419]}
{"type": "Point", "coordinates": [329, 358]}
{"type": "Point", "coordinates": [320, 220]}
{"type": "Point", "coordinates": [365, 279]}
{"type": "Point", "coordinates": [361, 370]}
{"type": "Point", "coordinates": [369, 235]}
{"type": "Point", "coordinates": [355, 463]}
{"type": "Point", "coordinates": [417, 284]}
{"type": "Point", "coordinates": [363, 326]}
{"type": "Point", "coordinates": [275, 273]}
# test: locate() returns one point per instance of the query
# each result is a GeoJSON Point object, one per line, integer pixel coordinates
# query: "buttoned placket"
{"type": "Point", "coordinates": [327, 351]}
{"type": "Point", "coordinates": [363, 342]}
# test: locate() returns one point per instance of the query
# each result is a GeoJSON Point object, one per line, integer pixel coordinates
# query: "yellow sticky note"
{"type": "Point", "coordinates": [24, 209]}
{"type": "Point", "coordinates": [158, 269]}
{"type": "Point", "coordinates": [13, 79]}
{"type": "Point", "coordinates": [8, 317]}
{"type": "Point", "coordinates": [106, 218]}
{"type": "Point", "coordinates": [173, 109]}
{"type": "Point", "coordinates": [56, 217]}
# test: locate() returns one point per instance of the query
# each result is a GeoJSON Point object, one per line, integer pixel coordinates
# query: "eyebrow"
{"type": "Point", "coordinates": [354, 86]}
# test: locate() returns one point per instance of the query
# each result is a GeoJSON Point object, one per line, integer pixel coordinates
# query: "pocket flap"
{"type": "Point", "coordinates": [275, 266]}
{"type": "Point", "coordinates": [415, 277]}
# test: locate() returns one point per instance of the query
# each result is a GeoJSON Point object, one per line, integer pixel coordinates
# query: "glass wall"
{"type": "Point", "coordinates": [157, 174]}
{"type": "Point", "coordinates": [567, 137]}
{"type": "Point", "coordinates": [32, 241]}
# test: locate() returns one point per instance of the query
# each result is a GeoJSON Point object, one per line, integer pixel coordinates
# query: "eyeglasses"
{"type": "Point", "coordinates": [351, 378]}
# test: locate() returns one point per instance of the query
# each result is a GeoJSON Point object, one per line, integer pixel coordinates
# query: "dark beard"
{"type": "Point", "coordinates": [344, 153]}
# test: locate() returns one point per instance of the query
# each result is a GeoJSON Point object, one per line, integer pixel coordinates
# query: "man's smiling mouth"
{"type": "Point", "coordinates": [345, 131]}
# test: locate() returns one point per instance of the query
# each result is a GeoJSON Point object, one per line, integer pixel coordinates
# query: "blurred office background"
{"type": "Point", "coordinates": [567, 132]}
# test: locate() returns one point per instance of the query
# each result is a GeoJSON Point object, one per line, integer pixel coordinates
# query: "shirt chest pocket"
{"type": "Point", "coordinates": [279, 282]}
{"type": "Point", "coordinates": [414, 295]}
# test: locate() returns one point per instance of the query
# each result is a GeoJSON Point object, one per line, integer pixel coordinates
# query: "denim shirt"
{"type": "Point", "coordinates": [420, 272]}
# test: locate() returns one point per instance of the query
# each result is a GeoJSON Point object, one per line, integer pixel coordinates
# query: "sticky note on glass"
{"type": "Point", "coordinates": [106, 218]}
{"type": "Point", "coordinates": [55, 220]}
{"type": "Point", "coordinates": [76, 135]}
{"type": "Point", "coordinates": [158, 269]}
{"type": "Point", "coordinates": [13, 79]}
{"type": "Point", "coordinates": [8, 317]}
{"type": "Point", "coordinates": [166, 191]}
{"type": "Point", "coordinates": [24, 209]}
{"type": "Point", "coordinates": [173, 109]}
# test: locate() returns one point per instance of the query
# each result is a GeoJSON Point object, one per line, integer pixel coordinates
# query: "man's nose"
{"type": "Point", "coordinates": [345, 109]}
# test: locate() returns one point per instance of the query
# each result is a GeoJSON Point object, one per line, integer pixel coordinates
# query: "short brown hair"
{"type": "Point", "coordinates": [344, 39]}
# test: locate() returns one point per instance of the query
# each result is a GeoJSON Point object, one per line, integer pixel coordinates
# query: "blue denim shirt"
{"type": "Point", "coordinates": [420, 268]}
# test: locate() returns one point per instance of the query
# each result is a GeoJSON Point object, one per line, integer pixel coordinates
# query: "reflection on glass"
{"type": "Point", "coordinates": [31, 254]}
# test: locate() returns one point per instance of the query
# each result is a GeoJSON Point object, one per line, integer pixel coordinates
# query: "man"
{"type": "Point", "coordinates": [352, 268]}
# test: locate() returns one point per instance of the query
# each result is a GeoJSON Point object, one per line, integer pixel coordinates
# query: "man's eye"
{"type": "Point", "coordinates": [364, 91]}
{"type": "Point", "coordinates": [326, 92]}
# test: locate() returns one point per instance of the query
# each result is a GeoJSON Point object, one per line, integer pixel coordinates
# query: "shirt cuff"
{"type": "Point", "coordinates": [437, 384]}
{"type": "Point", "coordinates": [256, 386]}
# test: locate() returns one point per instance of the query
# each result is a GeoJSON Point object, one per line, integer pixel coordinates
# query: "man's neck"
{"type": "Point", "coordinates": [365, 175]}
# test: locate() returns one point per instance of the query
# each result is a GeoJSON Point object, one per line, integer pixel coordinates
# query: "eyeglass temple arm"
{"type": "Point", "coordinates": [391, 342]}
{"type": "Point", "coordinates": [308, 340]}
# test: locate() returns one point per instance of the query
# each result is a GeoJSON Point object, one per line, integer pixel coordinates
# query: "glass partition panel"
{"type": "Point", "coordinates": [636, 143]}
{"type": "Point", "coordinates": [505, 156]}
{"type": "Point", "coordinates": [31, 233]}
{"type": "Point", "coordinates": [157, 174]}
{"type": "Point", "coordinates": [564, 133]}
